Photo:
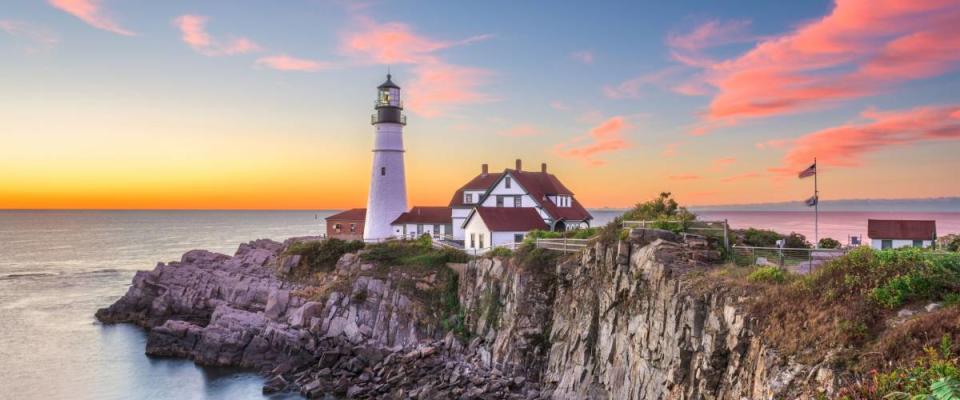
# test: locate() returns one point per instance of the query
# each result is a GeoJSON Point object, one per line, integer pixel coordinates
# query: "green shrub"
{"type": "Point", "coordinates": [585, 233]}
{"type": "Point", "coordinates": [662, 207]}
{"type": "Point", "coordinates": [954, 245]}
{"type": "Point", "coordinates": [796, 241]}
{"type": "Point", "coordinates": [417, 252]}
{"type": "Point", "coordinates": [760, 237]}
{"type": "Point", "coordinates": [829, 243]}
{"type": "Point", "coordinates": [767, 275]}
{"type": "Point", "coordinates": [501, 252]}
{"type": "Point", "coordinates": [934, 376]}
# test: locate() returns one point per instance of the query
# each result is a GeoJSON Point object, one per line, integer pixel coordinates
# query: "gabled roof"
{"type": "Point", "coordinates": [539, 185]}
{"type": "Point", "coordinates": [425, 215]}
{"type": "Point", "coordinates": [354, 214]}
{"type": "Point", "coordinates": [509, 219]}
{"type": "Point", "coordinates": [480, 182]}
{"type": "Point", "coordinates": [901, 229]}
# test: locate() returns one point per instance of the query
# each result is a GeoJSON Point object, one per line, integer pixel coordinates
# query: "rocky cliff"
{"type": "Point", "coordinates": [630, 320]}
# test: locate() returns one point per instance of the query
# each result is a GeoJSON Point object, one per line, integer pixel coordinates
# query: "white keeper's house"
{"type": "Point", "coordinates": [497, 208]}
{"type": "Point", "coordinates": [491, 209]}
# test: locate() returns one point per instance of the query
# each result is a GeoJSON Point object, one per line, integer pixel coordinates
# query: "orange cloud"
{"type": "Point", "coordinates": [742, 177]}
{"type": "Point", "coordinates": [845, 145]}
{"type": "Point", "coordinates": [583, 56]}
{"type": "Point", "coordinates": [39, 37]}
{"type": "Point", "coordinates": [604, 138]}
{"type": "Point", "coordinates": [193, 32]}
{"type": "Point", "coordinates": [521, 130]}
{"type": "Point", "coordinates": [438, 86]}
{"type": "Point", "coordinates": [684, 177]}
{"type": "Point", "coordinates": [860, 48]}
{"type": "Point", "coordinates": [89, 11]}
{"type": "Point", "coordinates": [670, 149]}
{"type": "Point", "coordinates": [286, 63]}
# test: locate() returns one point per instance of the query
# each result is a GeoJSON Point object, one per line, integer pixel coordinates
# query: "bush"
{"type": "Point", "coordinates": [760, 237]}
{"type": "Point", "coordinates": [954, 245]}
{"type": "Point", "coordinates": [936, 375]}
{"type": "Point", "coordinates": [501, 252]}
{"type": "Point", "coordinates": [829, 243]}
{"type": "Point", "coordinates": [796, 241]}
{"type": "Point", "coordinates": [767, 275]}
{"type": "Point", "coordinates": [662, 207]}
{"type": "Point", "coordinates": [416, 252]}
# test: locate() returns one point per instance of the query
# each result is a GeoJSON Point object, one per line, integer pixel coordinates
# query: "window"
{"type": "Point", "coordinates": [516, 201]}
{"type": "Point", "coordinates": [473, 240]}
{"type": "Point", "coordinates": [436, 229]}
{"type": "Point", "coordinates": [468, 198]}
{"type": "Point", "coordinates": [917, 243]}
{"type": "Point", "coordinates": [886, 244]}
{"type": "Point", "coordinates": [517, 237]}
{"type": "Point", "coordinates": [506, 182]}
{"type": "Point", "coordinates": [481, 241]}
{"type": "Point", "coordinates": [336, 228]}
{"type": "Point", "coordinates": [383, 171]}
{"type": "Point", "coordinates": [419, 229]}
{"type": "Point", "coordinates": [353, 228]}
{"type": "Point", "coordinates": [499, 201]}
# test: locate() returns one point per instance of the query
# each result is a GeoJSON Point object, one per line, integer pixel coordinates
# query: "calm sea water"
{"type": "Point", "coordinates": [58, 267]}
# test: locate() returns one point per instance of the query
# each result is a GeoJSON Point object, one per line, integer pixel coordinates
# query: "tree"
{"type": "Point", "coordinates": [954, 245]}
{"type": "Point", "coordinates": [829, 243]}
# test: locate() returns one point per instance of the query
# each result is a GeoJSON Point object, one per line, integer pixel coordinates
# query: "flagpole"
{"type": "Point", "coordinates": [816, 207]}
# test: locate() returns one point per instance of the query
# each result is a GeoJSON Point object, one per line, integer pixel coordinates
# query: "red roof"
{"type": "Point", "coordinates": [425, 215]}
{"type": "Point", "coordinates": [355, 214]}
{"type": "Point", "coordinates": [539, 185]}
{"type": "Point", "coordinates": [480, 182]}
{"type": "Point", "coordinates": [510, 219]}
{"type": "Point", "coordinates": [901, 229]}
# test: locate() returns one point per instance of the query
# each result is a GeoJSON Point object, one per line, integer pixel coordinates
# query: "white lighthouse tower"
{"type": "Point", "coordinates": [387, 198]}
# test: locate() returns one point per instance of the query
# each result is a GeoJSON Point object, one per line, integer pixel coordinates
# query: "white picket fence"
{"type": "Point", "coordinates": [563, 244]}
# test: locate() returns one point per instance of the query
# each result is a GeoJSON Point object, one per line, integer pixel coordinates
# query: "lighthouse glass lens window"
{"type": "Point", "coordinates": [383, 171]}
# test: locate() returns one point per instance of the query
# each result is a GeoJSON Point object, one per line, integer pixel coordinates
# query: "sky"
{"type": "Point", "coordinates": [229, 104]}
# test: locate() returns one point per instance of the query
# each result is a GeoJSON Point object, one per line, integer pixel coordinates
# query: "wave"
{"type": "Point", "coordinates": [26, 275]}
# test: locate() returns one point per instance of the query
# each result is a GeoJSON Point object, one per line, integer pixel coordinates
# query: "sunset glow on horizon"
{"type": "Point", "coordinates": [240, 105]}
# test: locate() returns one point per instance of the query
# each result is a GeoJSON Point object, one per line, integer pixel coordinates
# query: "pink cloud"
{"type": "Point", "coordinates": [521, 130]}
{"type": "Point", "coordinates": [559, 105]}
{"type": "Point", "coordinates": [634, 87]}
{"type": "Point", "coordinates": [711, 34]}
{"type": "Point", "coordinates": [670, 149]}
{"type": "Point", "coordinates": [193, 32]}
{"type": "Point", "coordinates": [40, 38]}
{"type": "Point", "coordinates": [583, 56]}
{"type": "Point", "coordinates": [722, 163]}
{"type": "Point", "coordinates": [684, 177]}
{"type": "Point", "coordinates": [90, 11]}
{"type": "Point", "coordinates": [846, 145]}
{"type": "Point", "coordinates": [742, 177]}
{"type": "Point", "coordinates": [772, 144]}
{"type": "Point", "coordinates": [286, 63]}
{"type": "Point", "coordinates": [604, 138]}
{"type": "Point", "coordinates": [862, 47]}
{"type": "Point", "coordinates": [438, 86]}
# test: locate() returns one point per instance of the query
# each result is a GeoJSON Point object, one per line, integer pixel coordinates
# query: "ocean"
{"type": "Point", "coordinates": [58, 267]}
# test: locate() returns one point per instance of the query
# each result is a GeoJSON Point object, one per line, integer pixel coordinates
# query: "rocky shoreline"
{"type": "Point", "coordinates": [619, 321]}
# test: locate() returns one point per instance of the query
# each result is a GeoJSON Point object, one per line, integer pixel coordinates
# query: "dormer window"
{"type": "Point", "coordinates": [468, 198]}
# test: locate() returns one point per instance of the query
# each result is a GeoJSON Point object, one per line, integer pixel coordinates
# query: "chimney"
{"type": "Point", "coordinates": [543, 167]}
{"type": "Point", "coordinates": [484, 169]}
{"type": "Point", "coordinates": [519, 165]}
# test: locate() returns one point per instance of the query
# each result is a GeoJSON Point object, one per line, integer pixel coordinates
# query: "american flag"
{"type": "Point", "coordinates": [812, 201]}
{"type": "Point", "coordinates": [811, 171]}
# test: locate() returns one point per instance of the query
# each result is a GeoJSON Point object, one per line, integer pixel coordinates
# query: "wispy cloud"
{"type": "Point", "coordinates": [520, 130]}
{"type": "Point", "coordinates": [438, 86]}
{"type": "Point", "coordinates": [284, 62]}
{"type": "Point", "coordinates": [91, 12]}
{"type": "Point", "coordinates": [722, 163]}
{"type": "Point", "coordinates": [194, 33]}
{"type": "Point", "coordinates": [743, 177]}
{"type": "Point", "coordinates": [684, 177]}
{"type": "Point", "coordinates": [39, 38]}
{"type": "Point", "coordinates": [583, 56]}
{"type": "Point", "coordinates": [670, 149]}
{"type": "Point", "coordinates": [846, 145]}
{"type": "Point", "coordinates": [604, 138]}
{"type": "Point", "coordinates": [634, 87]}
{"type": "Point", "coordinates": [862, 47]}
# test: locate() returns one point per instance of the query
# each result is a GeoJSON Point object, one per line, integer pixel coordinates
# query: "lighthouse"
{"type": "Point", "coordinates": [387, 198]}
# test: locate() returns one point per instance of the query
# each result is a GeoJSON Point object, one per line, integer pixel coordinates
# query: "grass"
{"type": "Point", "coordinates": [935, 375]}
{"type": "Point", "coordinates": [318, 256]}
{"type": "Point", "coordinates": [845, 303]}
